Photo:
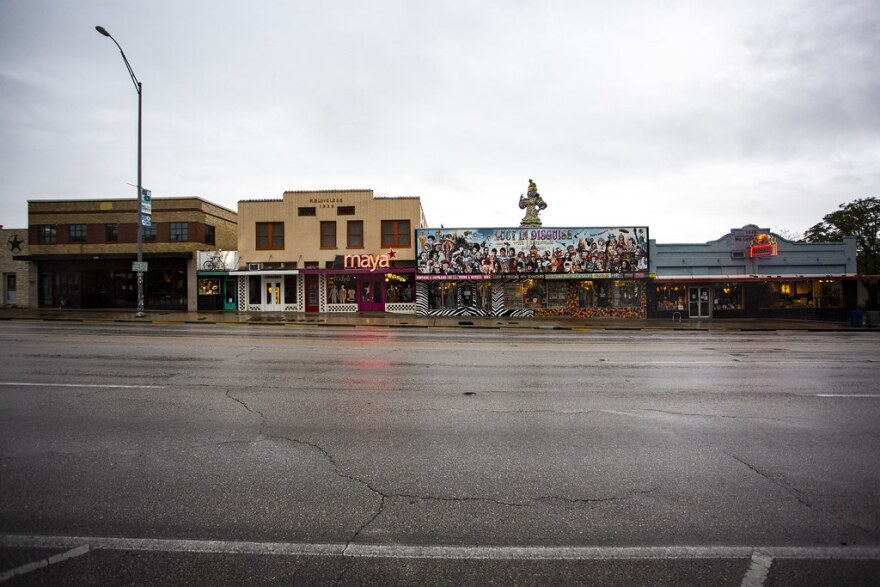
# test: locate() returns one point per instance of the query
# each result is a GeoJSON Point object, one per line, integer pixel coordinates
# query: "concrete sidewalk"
{"type": "Point", "coordinates": [410, 321]}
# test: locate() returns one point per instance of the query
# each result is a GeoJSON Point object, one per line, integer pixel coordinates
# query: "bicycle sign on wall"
{"type": "Point", "coordinates": [217, 260]}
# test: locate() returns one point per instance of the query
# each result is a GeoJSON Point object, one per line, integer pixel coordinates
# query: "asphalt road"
{"type": "Point", "coordinates": [150, 454]}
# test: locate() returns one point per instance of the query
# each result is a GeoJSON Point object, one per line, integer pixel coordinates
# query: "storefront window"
{"type": "Point", "coordinates": [557, 294]}
{"type": "Point", "coordinates": [585, 293]}
{"type": "Point", "coordinates": [728, 296]}
{"type": "Point", "coordinates": [828, 294]}
{"type": "Point", "coordinates": [513, 296]}
{"type": "Point", "coordinates": [442, 296]}
{"type": "Point", "coordinates": [166, 288]}
{"type": "Point", "coordinates": [290, 289]}
{"type": "Point", "coordinates": [483, 300]}
{"type": "Point", "coordinates": [341, 289]}
{"type": "Point", "coordinates": [255, 289]}
{"type": "Point", "coordinates": [209, 287]}
{"type": "Point", "coordinates": [790, 294]}
{"type": "Point", "coordinates": [535, 293]}
{"type": "Point", "coordinates": [602, 294]}
{"type": "Point", "coordinates": [671, 297]}
{"type": "Point", "coordinates": [626, 294]}
{"type": "Point", "coordinates": [398, 288]}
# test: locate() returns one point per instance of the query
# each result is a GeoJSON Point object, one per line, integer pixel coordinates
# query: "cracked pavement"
{"type": "Point", "coordinates": [433, 438]}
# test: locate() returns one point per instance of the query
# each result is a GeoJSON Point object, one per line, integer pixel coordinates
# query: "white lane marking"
{"type": "Point", "coordinates": [445, 552]}
{"type": "Point", "coordinates": [758, 570]}
{"type": "Point", "coordinates": [846, 395]}
{"type": "Point", "coordinates": [98, 385]}
{"type": "Point", "coordinates": [27, 568]}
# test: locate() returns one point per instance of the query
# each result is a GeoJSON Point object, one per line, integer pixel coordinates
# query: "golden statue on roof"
{"type": "Point", "coordinates": [533, 203]}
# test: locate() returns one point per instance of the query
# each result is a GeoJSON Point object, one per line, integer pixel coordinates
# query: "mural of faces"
{"type": "Point", "coordinates": [490, 251]}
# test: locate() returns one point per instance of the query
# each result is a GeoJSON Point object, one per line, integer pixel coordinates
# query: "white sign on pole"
{"type": "Point", "coordinates": [146, 201]}
{"type": "Point", "coordinates": [139, 266]}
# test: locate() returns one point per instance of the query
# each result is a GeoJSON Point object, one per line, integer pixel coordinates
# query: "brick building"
{"type": "Point", "coordinates": [17, 286]}
{"type": "Point", "coordinates": [83, 250]}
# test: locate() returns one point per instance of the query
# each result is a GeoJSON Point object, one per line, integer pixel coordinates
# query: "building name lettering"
{"type": "Point", "coordinates": [371, 262]}
{"type": "Point", "coordinates": [325, 200]}
{"type": "Point", "coordinates": [532, 234]}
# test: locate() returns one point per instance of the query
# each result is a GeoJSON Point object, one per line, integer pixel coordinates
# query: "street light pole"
{"type": "Point", "coordinates": [139, 88]}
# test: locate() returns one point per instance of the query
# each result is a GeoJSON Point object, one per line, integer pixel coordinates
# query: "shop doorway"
{"type": "Point", "coordinates": [273, 294]}
{"type": "Point", "coordinates": [699, 302]}
{"type": "Point", "coordinates": [10, 287]}
{"type": "Point", "coordinates": [313, 300]}
{"type": "Point", "coordinates": [371, 297]}
{"type": "Point", "coordinates": [230, 293]}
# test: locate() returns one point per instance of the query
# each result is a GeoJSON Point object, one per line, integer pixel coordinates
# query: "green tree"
{"type": "Point", "coordinates": [861, 219]}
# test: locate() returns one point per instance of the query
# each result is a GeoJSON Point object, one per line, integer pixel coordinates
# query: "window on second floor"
{"type": "Point", "coordinates": [111, 232]}
{"type": "Point", "coordinates": [345, 211]}
{"type": "Point", "coordinates": [46, 234]}
{"type": "Point", "coordinates": [76, 233]}
{"type": "Point", "coordinates": [328, 234]}
{"type": "Point", "coordinates": [178, 231]}
{"type": "Point", "coordinates": [355, 234]}
{"type": "Point", "coordinates": [395, 233]}
{"type": "Point", "coordinates": [270, 236]}
{"type": "Point", "coordinates": [210, 234]}
{"type": "Point", "coordinates": [306, 211]}
{"type": "Point", "coordinates": [148, 234]}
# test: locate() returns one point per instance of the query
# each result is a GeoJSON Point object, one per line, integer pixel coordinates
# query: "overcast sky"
{"type": "Point", "coordinates": [688, 117]}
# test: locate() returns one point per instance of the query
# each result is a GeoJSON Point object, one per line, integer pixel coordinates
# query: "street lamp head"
{"type": "Point", "coordinates": [102, 30]}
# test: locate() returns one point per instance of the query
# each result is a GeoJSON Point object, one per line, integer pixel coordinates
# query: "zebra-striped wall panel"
{"type": "Point", "coordinates": [421, 298]}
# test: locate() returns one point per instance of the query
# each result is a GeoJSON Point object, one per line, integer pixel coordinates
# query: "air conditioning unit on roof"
{"type": "Point", "coordinates": [255, 266]}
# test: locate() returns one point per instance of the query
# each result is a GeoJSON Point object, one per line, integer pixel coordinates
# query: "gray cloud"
{"type": "Point", "coordinates": [691, 117]}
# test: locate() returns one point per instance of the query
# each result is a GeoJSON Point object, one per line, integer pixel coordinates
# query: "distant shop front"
{"type": "Point", "coordinates": [753, 273]}
{"type": "Point", "coordinates": [216, 288]}
{"type": "Point", "coordinates": [821, 297]}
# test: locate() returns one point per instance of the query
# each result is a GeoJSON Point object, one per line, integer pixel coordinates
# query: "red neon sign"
{"type": "Point", "coordinates": [763, 245]}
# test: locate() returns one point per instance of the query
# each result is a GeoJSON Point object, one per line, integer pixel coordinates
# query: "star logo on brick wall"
{"type": "Point", "coordinates": [15, 243]}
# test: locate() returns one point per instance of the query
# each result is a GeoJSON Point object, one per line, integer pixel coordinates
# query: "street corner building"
{"type": "Point", "coordinates": [580, 272]}
{"type": "Point", "coordinates": [328, 251]}
{"type": "Point", "coordinates": [83, 251]}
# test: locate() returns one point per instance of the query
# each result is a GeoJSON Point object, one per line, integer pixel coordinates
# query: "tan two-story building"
{"type": "Point", "coordinates": [83, 250]}
{"type": "Point", "coordinates": [328, 251]}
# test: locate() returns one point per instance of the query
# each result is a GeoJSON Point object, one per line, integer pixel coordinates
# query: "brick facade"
{"type": "Point", "coordinates": [82, 249]}
{"type": "Point", "coordinates": [17, 287]}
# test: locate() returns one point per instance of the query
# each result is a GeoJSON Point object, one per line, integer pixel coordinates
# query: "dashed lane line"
{"type": "Point", "coordinates": [27, 568]}
{"type": "Point", "coordinates": [759, 568]}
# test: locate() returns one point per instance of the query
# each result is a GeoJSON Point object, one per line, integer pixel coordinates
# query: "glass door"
{"type": "Point", "coordinates": [699, 301]}
{"type": "Point", "coordinates": [273, 294]}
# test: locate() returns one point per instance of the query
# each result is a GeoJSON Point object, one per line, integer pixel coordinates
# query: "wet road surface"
{"type": "Point", "coordinates": [439, 456]}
